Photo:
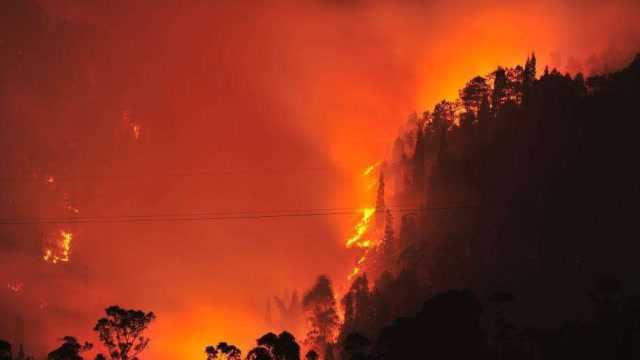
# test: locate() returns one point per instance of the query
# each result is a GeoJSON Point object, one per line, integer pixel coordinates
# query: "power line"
{"type": "Point", "coordinates": [218, 216]}
{"type": "Point", "coordinates": [150, 176]}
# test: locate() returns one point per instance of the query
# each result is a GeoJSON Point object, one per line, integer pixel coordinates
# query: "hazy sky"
{"type": "Point", "coordinates": [242, 107]}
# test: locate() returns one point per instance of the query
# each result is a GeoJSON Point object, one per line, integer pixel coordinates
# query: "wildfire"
{"type": "Point", "coordinates": [61, 251]}
{"type": "Point", "coordinates": [361, 230]}
{"type": "Point", "coordinates": [354, 272]}
{"type": "Point", "coordinates": [370, 169]}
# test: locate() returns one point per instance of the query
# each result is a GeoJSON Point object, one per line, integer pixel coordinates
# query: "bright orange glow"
{"type": "Point", "coordinates": [354, 273]}
{"type": "Point", "coordinates": [137, 131]}
{"type": "Point", "coordinates": [61, 249]}
{"type": "Point", "coordinates": [361, 229]}
{"type": "Point", "coordinates": [134, 116]}
{"type": "Point", "coordinates": [370, 169]}
{"type": "Point", "coordinates": [362, 238]}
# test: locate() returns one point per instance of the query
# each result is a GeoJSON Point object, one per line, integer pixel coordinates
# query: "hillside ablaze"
{"type": "Point", "coordinates": [363, 236]}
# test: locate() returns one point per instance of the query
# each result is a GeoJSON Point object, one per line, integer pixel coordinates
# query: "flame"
{"type": "Point", "coordinates": [58, 246]}
{"type": "Point", "coordinates": [137, 130]}
{"type": "Point", "coordinates": [370, 169]}
{"type": "Point", "coordinates": [361, 229]}
{"type": "Point", "coordinates": [354, 272]}
{"type": "Point", "coordinates": [61, 251]}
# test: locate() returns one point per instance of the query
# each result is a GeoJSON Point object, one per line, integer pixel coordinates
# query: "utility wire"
{"type": "Point", "coordinates": [218, 216]}
{"type": "Point", "coordinates": [151, 176]}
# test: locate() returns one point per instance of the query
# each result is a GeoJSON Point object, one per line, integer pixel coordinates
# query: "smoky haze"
{"type": "Point", "coordinates": [121, 109]}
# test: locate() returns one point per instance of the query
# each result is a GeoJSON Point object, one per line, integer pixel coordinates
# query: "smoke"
{"type": "Point", "coordinates": [240, 107]}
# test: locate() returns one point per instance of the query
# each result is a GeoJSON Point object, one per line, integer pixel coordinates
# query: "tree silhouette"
{"type": "Point", "coordinates": [281, 347]}
{"type": "Point", "coordinates": [328, 352]}
{"type": "Point", "coordinates": [69, 350]}
{"type": "Point", "coordinates": [223, 351]}
{"type": "Point", "coordinates": [380, 203]}
{"type": "Point", "coordinates": [259, 353]}
{"type": "Point", "coordinates": [389, 246]}
{"type": "Point", "coordinates": [358, 298]}
{"type": "Point", "coordinates": [311, 355]}
{"type": "Point", "coordinates": [473, 94]}
{"type": "Point", "coordinates": [355, 347]}
{"type": "Point", "coordinates": [498, 97]}
{"type": "Point", "coordinates": [320, 305]}
{"type": "Point", "coordinates": [211, 352]}
{"type": "Point", "coordinates": [5, 350]}
{"type": "Point", "coordinates": [447, 327]}
{"type": "Point", "coordinates": [230, 352]}
{"type": "Point", "coordinates": [122, 332]}
{"type": "Point", "coordinates": [418, 162]}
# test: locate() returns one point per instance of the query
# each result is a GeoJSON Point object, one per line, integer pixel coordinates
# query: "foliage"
{"type": "Point", "coordinates": [320, 306]}
{"type": "Point", "coordinates": [5, 350]}
{"type": "Point", "coordinates": [122, 332]}
{"type": "Point", "coordinates": [69, 350]}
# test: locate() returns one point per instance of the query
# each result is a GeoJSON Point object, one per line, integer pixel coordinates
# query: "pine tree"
{"type": "Point", "coordinates": [499, 89]}
{"type": "Point", "coordinates": [418, 162]}
{"type": "Point", "coordinates": [320, 306]}
{"type": "Point", "coordinates": [484, 117]}
{"type": "Point", "coordinates": [380, 204]}
{"type": "Point", "coordinates": [529, 77]}
{"type": "Point", "coordinates": [388, 243]}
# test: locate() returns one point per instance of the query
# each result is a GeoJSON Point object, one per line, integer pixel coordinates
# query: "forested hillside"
{"type": "Point", "coordinates": [524, 191]}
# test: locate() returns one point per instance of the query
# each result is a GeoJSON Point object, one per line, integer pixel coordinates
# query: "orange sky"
{"type": "Point", "coordinates": [289, 100]}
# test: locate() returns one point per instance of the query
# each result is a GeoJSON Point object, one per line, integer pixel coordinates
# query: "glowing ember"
{"type": "Point", "coordinates": [137, 130]}
{"type": "Point", "coordinates": [16, 288]}
{"type": "Point", "coordinates": [71, 208]}
{"type": "Point", "coordinates": [61, 251]}
{"type": "Point", "coordinates": [68, 205]}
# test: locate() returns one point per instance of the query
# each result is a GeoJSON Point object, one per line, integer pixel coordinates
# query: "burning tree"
{"type": "Point", "coordinates": [320, 305]}
{"type": "Point", "coordinates": [122, 332]}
